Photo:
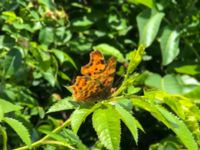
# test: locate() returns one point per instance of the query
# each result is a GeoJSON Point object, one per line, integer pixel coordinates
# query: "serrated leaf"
{"type": "Point", "coordinates": [129, 121]}
{"type": "Point", "coordinates": [62, 57]}
{"type": "Point", "coordinates": [57, 137]}
{"type": "Point", "coordinates": [8, 107]}
{"type": "Point", "coordinates": [146, 105]}
{"type": "Point", "coordinates": [73, 139]}
{"type": "Point", "coordinates": [63, 104]}
{"type": "Point", "coordinates": [169, 43]}
{"type": "Point", "coordinates": [106, 123]}
{"type": "Point", "coordinates": [148, 23]}
{"type": "Point", "coordinates": [109, 50]}
{"type": "Point", "coordinates": [20, 129]}
{"type": "Point", "coordinates": [179, 128]}
{"type": "Point", "coordinates": [79, 115]}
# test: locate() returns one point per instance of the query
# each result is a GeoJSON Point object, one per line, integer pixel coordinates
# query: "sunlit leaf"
{"type": "Point", "coordinates": [106, 123]}
{"type": "Point", "coordinates": [129, 121]}
{"type": "Point", "coordinates": [8, 107]}
{"type": "Point", "coordinates": [109, 50]}
{"type": "Point", "coordinates": [20, 129]}
{"type": "Point", "coordinates": [148, 22]}
{"type": "Point", "coordinates": [148, 3]}
{"type": "Point", "coordinates": [180, 128]}
{"type": "Point", "coordinates": [63, 104]}
{"type": "Point", "coordinates": [80, 114]}
{"type": "Point", "coordinates": [189, 69]}
{"type": "Point", "coordinates": [169, 43]}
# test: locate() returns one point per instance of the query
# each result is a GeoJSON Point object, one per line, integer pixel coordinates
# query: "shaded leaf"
{"type": "Point", "coordinates": [62, 57]}
{"type": "Point", "coordinates": [46, 35]}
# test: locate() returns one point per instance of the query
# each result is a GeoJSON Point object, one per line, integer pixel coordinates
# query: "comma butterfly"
{"type": "Point", "coordinates": [97, 79]}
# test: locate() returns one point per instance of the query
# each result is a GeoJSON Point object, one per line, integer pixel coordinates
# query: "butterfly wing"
{"type": "Point", "coordinates": [95, 66]}
{"type": "Point", "coordinates": [97, 79]}
{"type": "Point", "coordinates": [86, 89]}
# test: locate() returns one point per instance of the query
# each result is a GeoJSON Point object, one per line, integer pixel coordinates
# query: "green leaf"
{"type": "Point", "coordinates": [148, 23]}
{"type": "Point", "coordinates": [1, 113]}
{"type": "Point", "coordinates": [50, 76]}
{"type": "Point", "coordinates": [46, 35]}
{"type": "Point", "coordinates": [195, 93]}
{"type": "Point", "coordinates": [73, 139]}
{"type": "Point", "coordinates": [8, 107]}
{"type": "Point", "coordinates": [189, 69]}
{"type": "Point", "coordinates": [169, 43]}
{"type": "Point", "coordinates": [63, 104]}
{"type": "Point", "coordinates": [62, 57]}
{"type": "Point", "coordinates": [145, 103]}
{"type": "Point", "coordinates": [106, 123]}
{"type": "Point", "coordinates": [80, 114]}
{"type": "Point", "coordinates": [12, 62]}
{"type": "Point", "coordinates": [109, 50]}
{"type": "Point", "coordinates": [179, 128]}
{"type": "Point", "coordinates": [64, 76]}
{"type": "Point", "coordinates": [20, 129]}
{"type": "Point", "coordinates": [148, 3]}
{"type": "Point", "coordinates": [57, 137]}
{"type": "Point", "coordinates": [135, 59]}
{"type": "Point", "coordinates": [129, 121]}
{"type": "Point", "coordinates": [173, 84]}
{"type": "Point", "coordinates": [82, 22]}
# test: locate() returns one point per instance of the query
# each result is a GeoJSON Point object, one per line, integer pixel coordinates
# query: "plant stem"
{"type": "Point", "coordinates": [4, 135]}
{"type": "Point", "coordinates": [37, 143]}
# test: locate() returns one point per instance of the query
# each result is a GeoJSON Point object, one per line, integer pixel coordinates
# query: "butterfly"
{"type": "Point", "coordinates": [96, 80]}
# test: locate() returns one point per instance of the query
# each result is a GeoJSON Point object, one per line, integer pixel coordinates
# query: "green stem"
{"type": "Point", "coordinates": [121, 88]}
{"type": "Point", "coordinates": [57, 143]}
{"type": "Point", "coordinates": [37, 143]}
{"type": "Point", "coordinates": [4, 135]}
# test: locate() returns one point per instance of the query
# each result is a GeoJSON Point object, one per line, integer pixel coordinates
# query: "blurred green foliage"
{"type": "Point", "coordinates": [43, 43]}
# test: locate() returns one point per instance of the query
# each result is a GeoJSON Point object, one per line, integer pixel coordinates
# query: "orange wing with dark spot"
{"type": "Point", "coordinates": [96, 64]}
{"type": "Point", "coordinates": [97, 79]}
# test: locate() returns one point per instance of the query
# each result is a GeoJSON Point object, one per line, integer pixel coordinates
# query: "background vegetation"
{"type": "Point", "coordinates": [43, 44]}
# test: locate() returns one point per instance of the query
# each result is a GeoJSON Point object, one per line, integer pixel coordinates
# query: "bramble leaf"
{"type": "Point", "coordinates": [20, 129]}
{"type": "Point", "coordinates": [106, 123]}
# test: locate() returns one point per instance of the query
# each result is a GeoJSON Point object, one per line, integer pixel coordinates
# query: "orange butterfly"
{"type": "Point", "coordinates": [97, 79]}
